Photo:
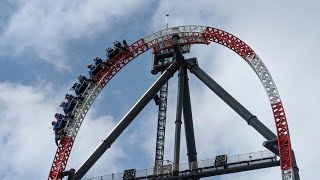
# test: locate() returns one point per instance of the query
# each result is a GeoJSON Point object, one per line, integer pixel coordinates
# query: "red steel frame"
{"type": "Point", "coordinates": [61, 158]}
{"type": "Point", "coordinates": [241, 48]}
{"type": "Point", "coordinates": [284, 143]}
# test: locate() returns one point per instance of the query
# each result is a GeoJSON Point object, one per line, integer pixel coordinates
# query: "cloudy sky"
{"type": "Point", "coordinates": [44, 46]}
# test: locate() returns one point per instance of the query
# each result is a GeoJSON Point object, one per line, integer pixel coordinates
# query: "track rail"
{"type": "Point", "coordinates": [160, 41]}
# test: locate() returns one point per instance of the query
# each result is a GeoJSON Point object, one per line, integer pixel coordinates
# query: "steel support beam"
{"type": "Point", "coordinates": [163, 67]}
{"type": "Point", "coordinates": [188, 124]}
{"type": "Point", "coordinates": [69, 173]}
{"type": "Point", "coordinates": [295, 167]}
{"type": "Point", "coordinates": [216, 172]}
{"type": "Point", "coordinates": [272, 146]}
{"type": "Point", "coordinates": [126, 120]}
{"type": "Point", "coordinates": [176, 48]}
{"type": "Point", "coordinates": [179, 59]}
{"type": "Point", "coordinates": [178, 121]}
{"type": "Point", "coordinates": [232, 102]}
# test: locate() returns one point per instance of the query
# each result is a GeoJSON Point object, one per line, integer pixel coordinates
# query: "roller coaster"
{"type": "Point", "coordinates": [165, 44]}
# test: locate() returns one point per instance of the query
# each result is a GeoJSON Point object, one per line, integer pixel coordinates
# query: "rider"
{"type": "Point", "coordinates": [82, 79]}
{"type": "Point", "coordinates": [76, 88]}
{"type": "Point", "coordinates": [109, 50]}
{"type": "Point", "coordinates": [117, 45]}
{"type": "Point", "coordinates": [64, 107]}
{"type": "Point", "coordinates": [68, 106]}
{"type": "Point", "coordinates": [125, 46]}
{"type": "Point", "coordinates": [59, 116]}
{"type": "Point", "coordinates": [97, 61]}
{"type": "Point", "coordinates": [58, 125]}
{"type": "Point", "coordinates": [56, 132]}
{"type": "Point", "coordinates": [91, 67]}
{"type": "Point", "coordinates": [69, 97]}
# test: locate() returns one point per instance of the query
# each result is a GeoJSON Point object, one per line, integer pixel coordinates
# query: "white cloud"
{"type": "Point", "coordinates": [42, 28]}
{"type": "Point", "coordinates": [25, 132]}
{"type": "Point", "coordinates": [27, 142]}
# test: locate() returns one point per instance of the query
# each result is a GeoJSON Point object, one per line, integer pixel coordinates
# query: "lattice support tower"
{"type": "Point", "coordinates": [161, 127]}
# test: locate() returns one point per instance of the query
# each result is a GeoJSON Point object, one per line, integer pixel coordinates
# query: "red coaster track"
{"type": "Point", "coordinates": [188, 35]}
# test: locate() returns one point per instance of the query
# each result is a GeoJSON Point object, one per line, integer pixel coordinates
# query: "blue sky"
{"type": "Point", "coordinates": [44, 46]}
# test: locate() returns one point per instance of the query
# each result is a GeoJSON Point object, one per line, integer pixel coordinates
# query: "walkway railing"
{"type": "Point", "coordinates": [202, 166]}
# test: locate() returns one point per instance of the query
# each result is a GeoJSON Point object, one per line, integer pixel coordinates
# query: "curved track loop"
{"type": "Point", "coordinates": [160, 41]}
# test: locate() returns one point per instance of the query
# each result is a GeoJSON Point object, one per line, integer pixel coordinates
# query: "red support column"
{"type": "Point", "coordinates": [283, 136]}
{"type": "Point", "coordinates": [61, 158]}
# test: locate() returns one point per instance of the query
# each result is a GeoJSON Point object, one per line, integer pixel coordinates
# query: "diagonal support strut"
{"type": "Point", "coordinates": [126, 120]}
{"type": "Point", "coordinates": [178, 121]}
{"type": "Point", "coordinates": [188, 125]}
{"type": "Point", "coordinates": [233, 103]}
